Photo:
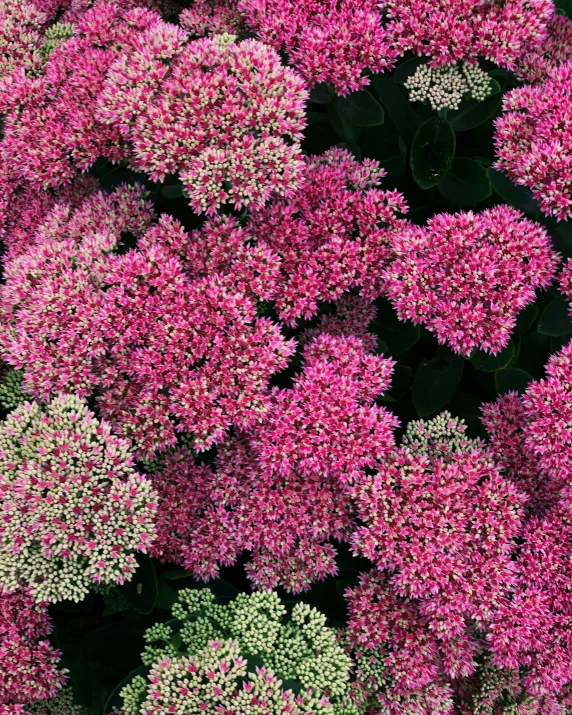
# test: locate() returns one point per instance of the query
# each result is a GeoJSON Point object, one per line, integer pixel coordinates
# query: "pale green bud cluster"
{"type": "Point", "coordinates": [11, 393]}
{"type": "Point", "coordinates": [249, 644]}
{"type": "Point", "coordinates": [55, 36]}
{"type": "Point", "coordinates": [441, 437]}
{"type": "Point", "coordinates": [446, 87]}
{"type": "Point", "coordinates": [61, 704]}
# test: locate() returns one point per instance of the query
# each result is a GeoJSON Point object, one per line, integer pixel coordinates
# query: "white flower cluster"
{"type": "Point", "coordinates": [74, 510]}
{"type": "Point", "coordinates": [255, 634]}
{"type": "Point", "coordinates": [446, 87]}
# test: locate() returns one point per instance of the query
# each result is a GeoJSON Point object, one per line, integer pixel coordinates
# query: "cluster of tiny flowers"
{"type": "Point", "coordinates": [21, 25]}
{"type": "Point", "coordinates": [52, 302]}
{"type": "Point", "coordinates": [326, 42]}
{"type": "Point", "coordinates": [55, 36]}
{"type": "Point", "coordinates": [212, 17]}
{"type": "Point", "coordinates": [443, 522]}
{"type": "Point", "coordinates": [466, 276]}
{"type": "Point", "coordinates": [442, 436]}
{"type": "Point", "coordinates": [50, 127]}
{"type": "Point", "coordinates": [277, 491]}
{"type": "Point", "coordinates": [351, 317]}
{"type": "Point", "coordinates": [210, 672]}
{"type": "Point", "coordinates": [28, 664]}
{"type": "Point", "coordinates": [532, 629]}
{"type": "Point", "coordinates": [547, 425]}
{"type": "Point", "coordinates": [555, 50]}
{"type": "Point", "coordinates": [532, 140]}
{"type": "Point", "coordinates": [11, 393]}
{"type": "Point", "coordinates": [73, 509]}
{"type": "Point", "coordinates": [332, 235]}
{"type": "Point", "coordinates": [446, 87]}
{"type": "Point", "coordinates": [60, 704]}
{"type": "Point", "coordinates": [225, 116]}
{"type": "Point", "coordinates": [400, 664]}
{"type": "Point", "coordinates": [505, 421]}
{"type": "Point", "coordinates": [451, 30]}
{"type": "Point", "coordinates": [187, 355]}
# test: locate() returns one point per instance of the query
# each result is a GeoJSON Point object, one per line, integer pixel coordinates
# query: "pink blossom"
{"type": "Point", "coordinates": [331, 42]}
{"type": "Point", "coordinates": [28, 663]}
{"type": "Point", "coordinates": [444, 527]}
{"type": "Point", "coordinates": [555, 50]}
{"type": "Point", "coordinates": [532, 139]}
{"type": "Point", "coordinates": [452, 30]}
{"type": "Point", "coordinates": [224, 115]}
{"type": "Point", "coordinates": [466, 276]}
{"type": "Point", "coordinates": [212, 17]}
{"type": "Point", "coordinates": [334, 234]}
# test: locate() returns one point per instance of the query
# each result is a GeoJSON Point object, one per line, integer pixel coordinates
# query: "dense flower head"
{"type": "Point", "coordinates": [27, 208]}
{"type": "Point", "coordinates": [555, 50]}
{"type": "Point", "coordinates": [452, 30]}
{"type": "Point", "coordinates": [277, 490]}
{"type": "Point", "coordinates": [332, 235]}
{"type": "Point", "coordinates": [21, 25]}
{"type": "Point", "coordinates": [212, 17]}
{"type": "Point", "coordinates": [332, 42]}
{"type": "Point", "coordinates": [442, 436]}
{"type": "Point", "coordinates": [74, 511]}
{"type": "Point", "coordinates": [207, 517]}
{"type": "Point", "coordinates": [50, 128]}
{"type": "Point", "coordinates": [532, 140]}
{"type": "Point", "coordinates": [184, 355]}
{"type": "Point", "coordinates": [444, 527]}
{"type": "Point", "coordinates": [60, 704]}
{"type": "Point", "coordinates": [351, 316]}
{"type": "Point", "coordinates": [210, 671]}
{"type": "Point", "coordinates": [28, 664]}
{"type": "Point", "coordinates": [11, 393]}
{"type": "Point", "coordinates": [466, 276]}
{"type": "Point", "coordinates": [400, 664]}
{"type": "Point", "coordinates": [226, 116]}
{"type": "Point", "coordinates": [505, 421]}
{"type": "Point", "coordinates": [532, 630]}
{"type": "Point", "coordinates": [548, 419]}
{"type": "Point", "coordinates": [446, 87]}
{"type": "Point", "coordinates": [52, 301]}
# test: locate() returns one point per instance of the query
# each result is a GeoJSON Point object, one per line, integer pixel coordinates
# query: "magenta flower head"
{"type": "Point", "coordinates": [532, 139]}
{"type": "Point", "coordinates": [225, 116]}
{"type": "Point", "coordinates": [74, 510]}
{"type": "Point", "coordinates": [466, 276]}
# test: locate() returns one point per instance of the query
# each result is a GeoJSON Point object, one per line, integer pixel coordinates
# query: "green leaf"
{"type": "Point", "coordinates": [166, 596]}
{"type": "Point", "coordinates": [394, 98]}
{"type": "Point", "coordinates": [174, 574]}
{"type": "Point", "coordinates": [142, 590]}
{"type": "Point", "coordinates": [320, 94]}
{"type": "Point", "coordinates": [388, 149]}
{"type": "Point", "coordinates": [555, 319]}
{"type": "Point", "coordinates": [561, 233]}
{"type": "Point", "coordinates": [398, 336]}
{"type": "Point", "coordinates": [468, 407]}
{"type": "Point", "coordinates": [345, 130]}
{"type": "Point", "coordinates": [565, 6]}
{"type": "Point", "coordinates": [471, 113]}
{"type": "Point", "coordinates": [436, 381]}
{"type": "Point", "coordinates": [432, 152]}
{"type": "Point", "coordinates": [518, 196]}
{"type": "Point", "coordinates": [466, 184]}
{"type": "Point", "coordinates": [173, 191]}
{"type": "Point", "coordinates": [525, 320]}
{"type": "Point", "coordinates": [511, 378]}
{"type": "Point", "coordinates": [486, 362]}
{"type": "Point", "coordinates": [408, 68]}
{"type": "Point", "coordinates": [360, 108]}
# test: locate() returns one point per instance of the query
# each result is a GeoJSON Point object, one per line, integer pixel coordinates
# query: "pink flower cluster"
{"type": "Point", "coordinates": [50, 127]}
{"type": "Point", "coordinates": [278, 490]}
{"type": "Point", "coordinates": [332, 42]}
{"type": "Point", "coordinates": [332, 235]}
{"type": "Point", "coordinates": [532, 140]}
{"type": "Point", "coordinates": [212, 17]}
{"type": "Point", "coordinates": [28, 663]}
{"type": "Point", "coordinates": [554, 51]}
{"type": "Point", "coordinates": [466, 276]}
{"type": "Point", "coordinates": [452, 30]}
{"type": "Point", "coordinates": [225, 116]}
{"type": "Point", "coordinates": [21, 24]}
{"type": "Point", "coordinates": [443, 526]}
